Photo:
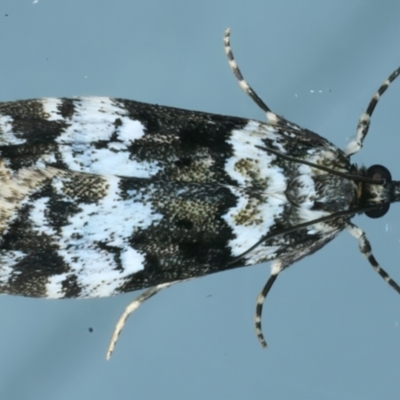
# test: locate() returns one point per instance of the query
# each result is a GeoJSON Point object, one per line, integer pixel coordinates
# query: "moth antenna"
{"type": "Point", "coordinates": [366, 250]}
{"type": "Point", "coordinates": [276, 268]}
{"type": "Point", "coordinates": [331, 171]}
{"type": "Point", "coordinates": [236, 71]}
{"type": "Point", "coordinates": [130, 308]}
{"type": "Point", "coordinates": [363, 123]}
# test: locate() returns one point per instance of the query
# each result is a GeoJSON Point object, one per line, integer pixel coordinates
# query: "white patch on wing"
{"type": "Point", "coordinates": [7, 259]}
{"type": "Point", "coordinates": [306, 189]}
{"type": "Point", "coordinates": [54, 289]}
{"type": "Point", "coordinates": [131, 258]}
{"type": "Point", "coordinates": [7, 134]}
{"type": "Point", "coordinates": [37, 214]}
{"type": "Point", "coordinates": [101, 120]}
{"type": "Point", "coordinates": [51, 107]}
{"type": "Point", "coordinates": [251, 231]}
{"type": "Point", "coordinates": [111, 222]}
{"type": "Point", "coordinates": [256, 161]}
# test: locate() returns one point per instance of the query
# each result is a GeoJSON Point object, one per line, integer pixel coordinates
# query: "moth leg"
{"type": "Point", "coordinates": [236, 71]}
{"type": "Point", "coordinates": [130, 308]}
{"type": "Point", "coordinates": [363, 123]}
{"type": "Point", "coordinates": [366, 250]}
{"type": "Point", "coordinates": [276, 267]}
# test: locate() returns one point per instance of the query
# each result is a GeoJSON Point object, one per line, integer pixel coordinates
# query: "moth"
{"type": "Point", "coordinates": [102, 196]}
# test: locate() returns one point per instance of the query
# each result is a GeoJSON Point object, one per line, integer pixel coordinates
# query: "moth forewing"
{"type": "Point", "coordinates": [102, 196]}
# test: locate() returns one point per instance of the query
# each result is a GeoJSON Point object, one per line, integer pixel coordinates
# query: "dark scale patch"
{"type": "Point", "coordinates": [24, 156]}
{"type": "Point", "coordinates": [118, 122]}
{"type": "Point", "coordinates": [23, 109]}
{"type": "Point", "coordinates": [184, 223]}
{"type": "Point", "coordinates": [84, 188]}
{"type": "Point", "coordinates": [20, 235]}
{"type": "Point", "coordinates": [67, 108]}
{"type": "Point", "coordinates": [174, 136]}
{"type": "Point", "coordinates": [204, 129]}
{"type": "Point", "coordinates": [304, 137]}
{"type": "Point", "coordinates": [30, 275]}
{"type": "Point", "coordinates": [104, 144]}
{"type": "Point", "coordinates": [209, 251]}
{"type": "Point", "coordinates": [70, 287]}
{"type": "Point", "coordinates": [134, 187]}
{"type": "Point", "coordinates": [115, 251]}
{"type": "Point", "coordinates": [305, 141]}
{"type": "Point", "coordinates": [184, 162]}
{"type": "Point", "coordinates": [30, 123]}
{"type": "Point", "coordinates": [211, 132]}
{"type": "Point", "coordinates": [59, 163]}
{"type": "Point", "coordinates": [170, 259]}
{"type": "Point", "coordinates": [178, 248]}
{"type": "Point", "coordinates": [59, 210]}
{"type": "Point", "coordinates": [41, 261]}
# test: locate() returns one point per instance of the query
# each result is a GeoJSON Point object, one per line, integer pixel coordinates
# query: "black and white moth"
{"type": "Point", "coordinates": [101, 196]}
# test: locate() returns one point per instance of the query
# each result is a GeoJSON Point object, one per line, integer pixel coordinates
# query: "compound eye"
{"type": "Point", "coordinates": [379, 211]}
{"type": "Point", "coordinates": [379, 172]}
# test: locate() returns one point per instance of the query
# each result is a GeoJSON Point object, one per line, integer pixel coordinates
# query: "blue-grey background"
{"type": "Point", "coordinates": [332, 324]}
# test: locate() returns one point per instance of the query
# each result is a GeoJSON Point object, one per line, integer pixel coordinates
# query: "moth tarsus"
{"type": "Point", "coordinates": [129, 309]}
{"type": "Point", "coordinates": [102, 196]}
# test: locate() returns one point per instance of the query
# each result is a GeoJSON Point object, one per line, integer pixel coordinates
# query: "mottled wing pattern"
{"type": "Point", "coordinates": [100, 196]}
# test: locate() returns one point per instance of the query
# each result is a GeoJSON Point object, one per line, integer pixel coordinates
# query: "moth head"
{"type": "Point", "coordinates": [381, 195]}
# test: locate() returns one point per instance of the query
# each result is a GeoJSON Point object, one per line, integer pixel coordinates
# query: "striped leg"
{"type": "Point", "coordinates": [276, 268]}
{"type": "Point", "coordinates": [242, 82]}
{"type": "Point", "coordinates": [363, 123]}
{"type": "Point", "coordinates": [130, 308]}
{"type": "Point", "coordinates": [366, 250]}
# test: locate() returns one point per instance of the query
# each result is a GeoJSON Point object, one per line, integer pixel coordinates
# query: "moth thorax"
{"type": "Point", "coordinates": [326, 192]}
